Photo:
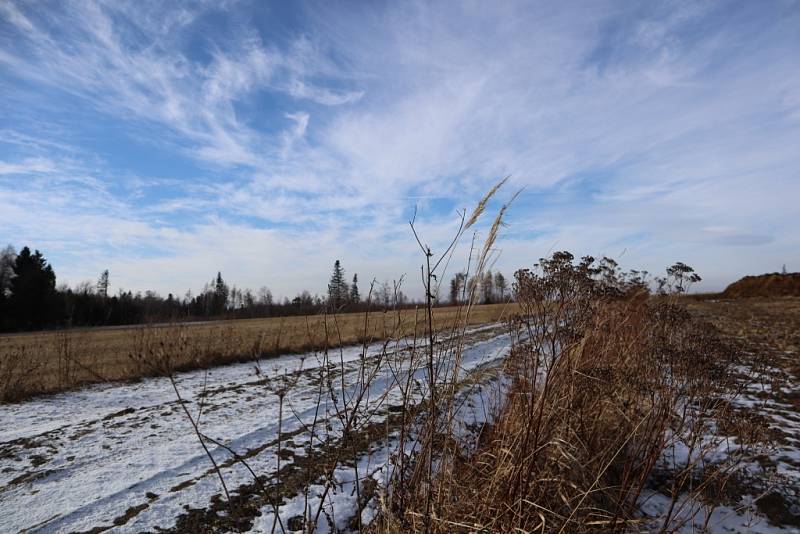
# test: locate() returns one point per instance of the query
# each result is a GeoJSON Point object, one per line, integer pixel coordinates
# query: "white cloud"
{"type": "Point", "coordinates": [658, 131]}
{"type": "Point", "coordinates": [28, 166]}
{"type": "Point", "coordinates": [88, 54]}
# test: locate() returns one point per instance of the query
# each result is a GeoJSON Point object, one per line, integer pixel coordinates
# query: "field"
{"type": "Point", "coordinates": [768, 331]}
{"type": "Point", "coordinates": [768, 324]}
{"type": "Point", "coordinates": [55, 361]}
{"type": "Point", "coordinates": [125, 456]}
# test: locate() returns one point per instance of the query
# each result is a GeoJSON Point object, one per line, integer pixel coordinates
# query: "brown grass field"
{"type": "Point", "coordinates": [52, 361]}
{"type": "Point", "coordinates": [766, 325]}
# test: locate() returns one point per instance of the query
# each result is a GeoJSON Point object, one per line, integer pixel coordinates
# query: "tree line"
{"type": "Point", "coordinates": [30, 298]}
{"type": "Point", "coordinates": [484, 288]}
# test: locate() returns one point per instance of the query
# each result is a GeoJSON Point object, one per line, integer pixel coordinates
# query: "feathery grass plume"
{"type": "Point", "coordinates": [492, 237]}
{"type": "Point", "coordinates": [482, 204]}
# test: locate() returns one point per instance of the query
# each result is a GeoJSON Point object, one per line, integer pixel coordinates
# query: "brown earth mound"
{"type": "Point", "coordinates": [765, 285]}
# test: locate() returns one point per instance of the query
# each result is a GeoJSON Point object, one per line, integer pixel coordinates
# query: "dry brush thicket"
{"type": "Point", "coordinates": [607, 383]}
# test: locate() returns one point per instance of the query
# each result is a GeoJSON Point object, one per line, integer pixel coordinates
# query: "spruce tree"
{"type": "Point", "coordinates": [337, 288]}
{"type": "Point", "coordinates": [220, 297]}
{"type": "Point", "coordinates": [33, 302]}
{"type": "Point", "coordinates": [102, 284]}
{"type": "Point", "coordinates": [355, 296]}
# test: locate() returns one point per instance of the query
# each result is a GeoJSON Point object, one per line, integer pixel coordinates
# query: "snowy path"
{"type": "Point", "coordinates": [123, 457]}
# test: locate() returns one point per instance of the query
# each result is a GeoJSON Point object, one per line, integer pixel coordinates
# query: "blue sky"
{"type": "Point", "coordinates": [167, 140]}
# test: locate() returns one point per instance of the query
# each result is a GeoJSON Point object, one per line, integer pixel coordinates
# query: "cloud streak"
{"type": "Point", "coordinates": [668, 131]}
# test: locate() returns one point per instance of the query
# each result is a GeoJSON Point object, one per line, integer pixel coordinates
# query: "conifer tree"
{"type": "Point", "coordinates": [102, 284]}
{"type": "Point", "coordinates": [33, 291]}
{"type": "Point", "coordinates": [355, 296]}
{"type": "Point", "coordinates": [220, 297]}
{"type": "Point", "coordinates": [337, 288]}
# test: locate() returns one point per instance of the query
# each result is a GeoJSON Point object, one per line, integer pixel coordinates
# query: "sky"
{"type": "Point", "coordinates": [166, 141]}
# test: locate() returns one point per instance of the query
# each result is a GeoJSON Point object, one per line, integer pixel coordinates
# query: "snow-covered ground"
{"type": "Point", "coordinates": [125, 457]}
{"type": "Point", "coordinates": [765, 497]}
{"type": "Point", "coordinates": [476, 404]}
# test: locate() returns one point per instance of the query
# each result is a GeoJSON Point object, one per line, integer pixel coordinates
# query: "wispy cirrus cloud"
{"type": "Point", "coordinates": [29, 166]}
{"type": "Point", "coordinates": [667, 131]}
{"type": "Point", "coordinates": [130, 68]}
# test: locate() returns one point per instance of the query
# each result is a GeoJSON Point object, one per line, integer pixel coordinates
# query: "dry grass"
{"type": "Point", "coordinates": [46, 362]}
{"type": "Point", "coordinates": [768, 330]}
{"type": "Point", "coordinates": [768, 323]}
{"type": "Point", "coordinates": [605, 382]}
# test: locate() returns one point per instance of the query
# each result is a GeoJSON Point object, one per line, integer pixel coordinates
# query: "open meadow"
{"type": "Point", "coordinates": [42, 362]}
